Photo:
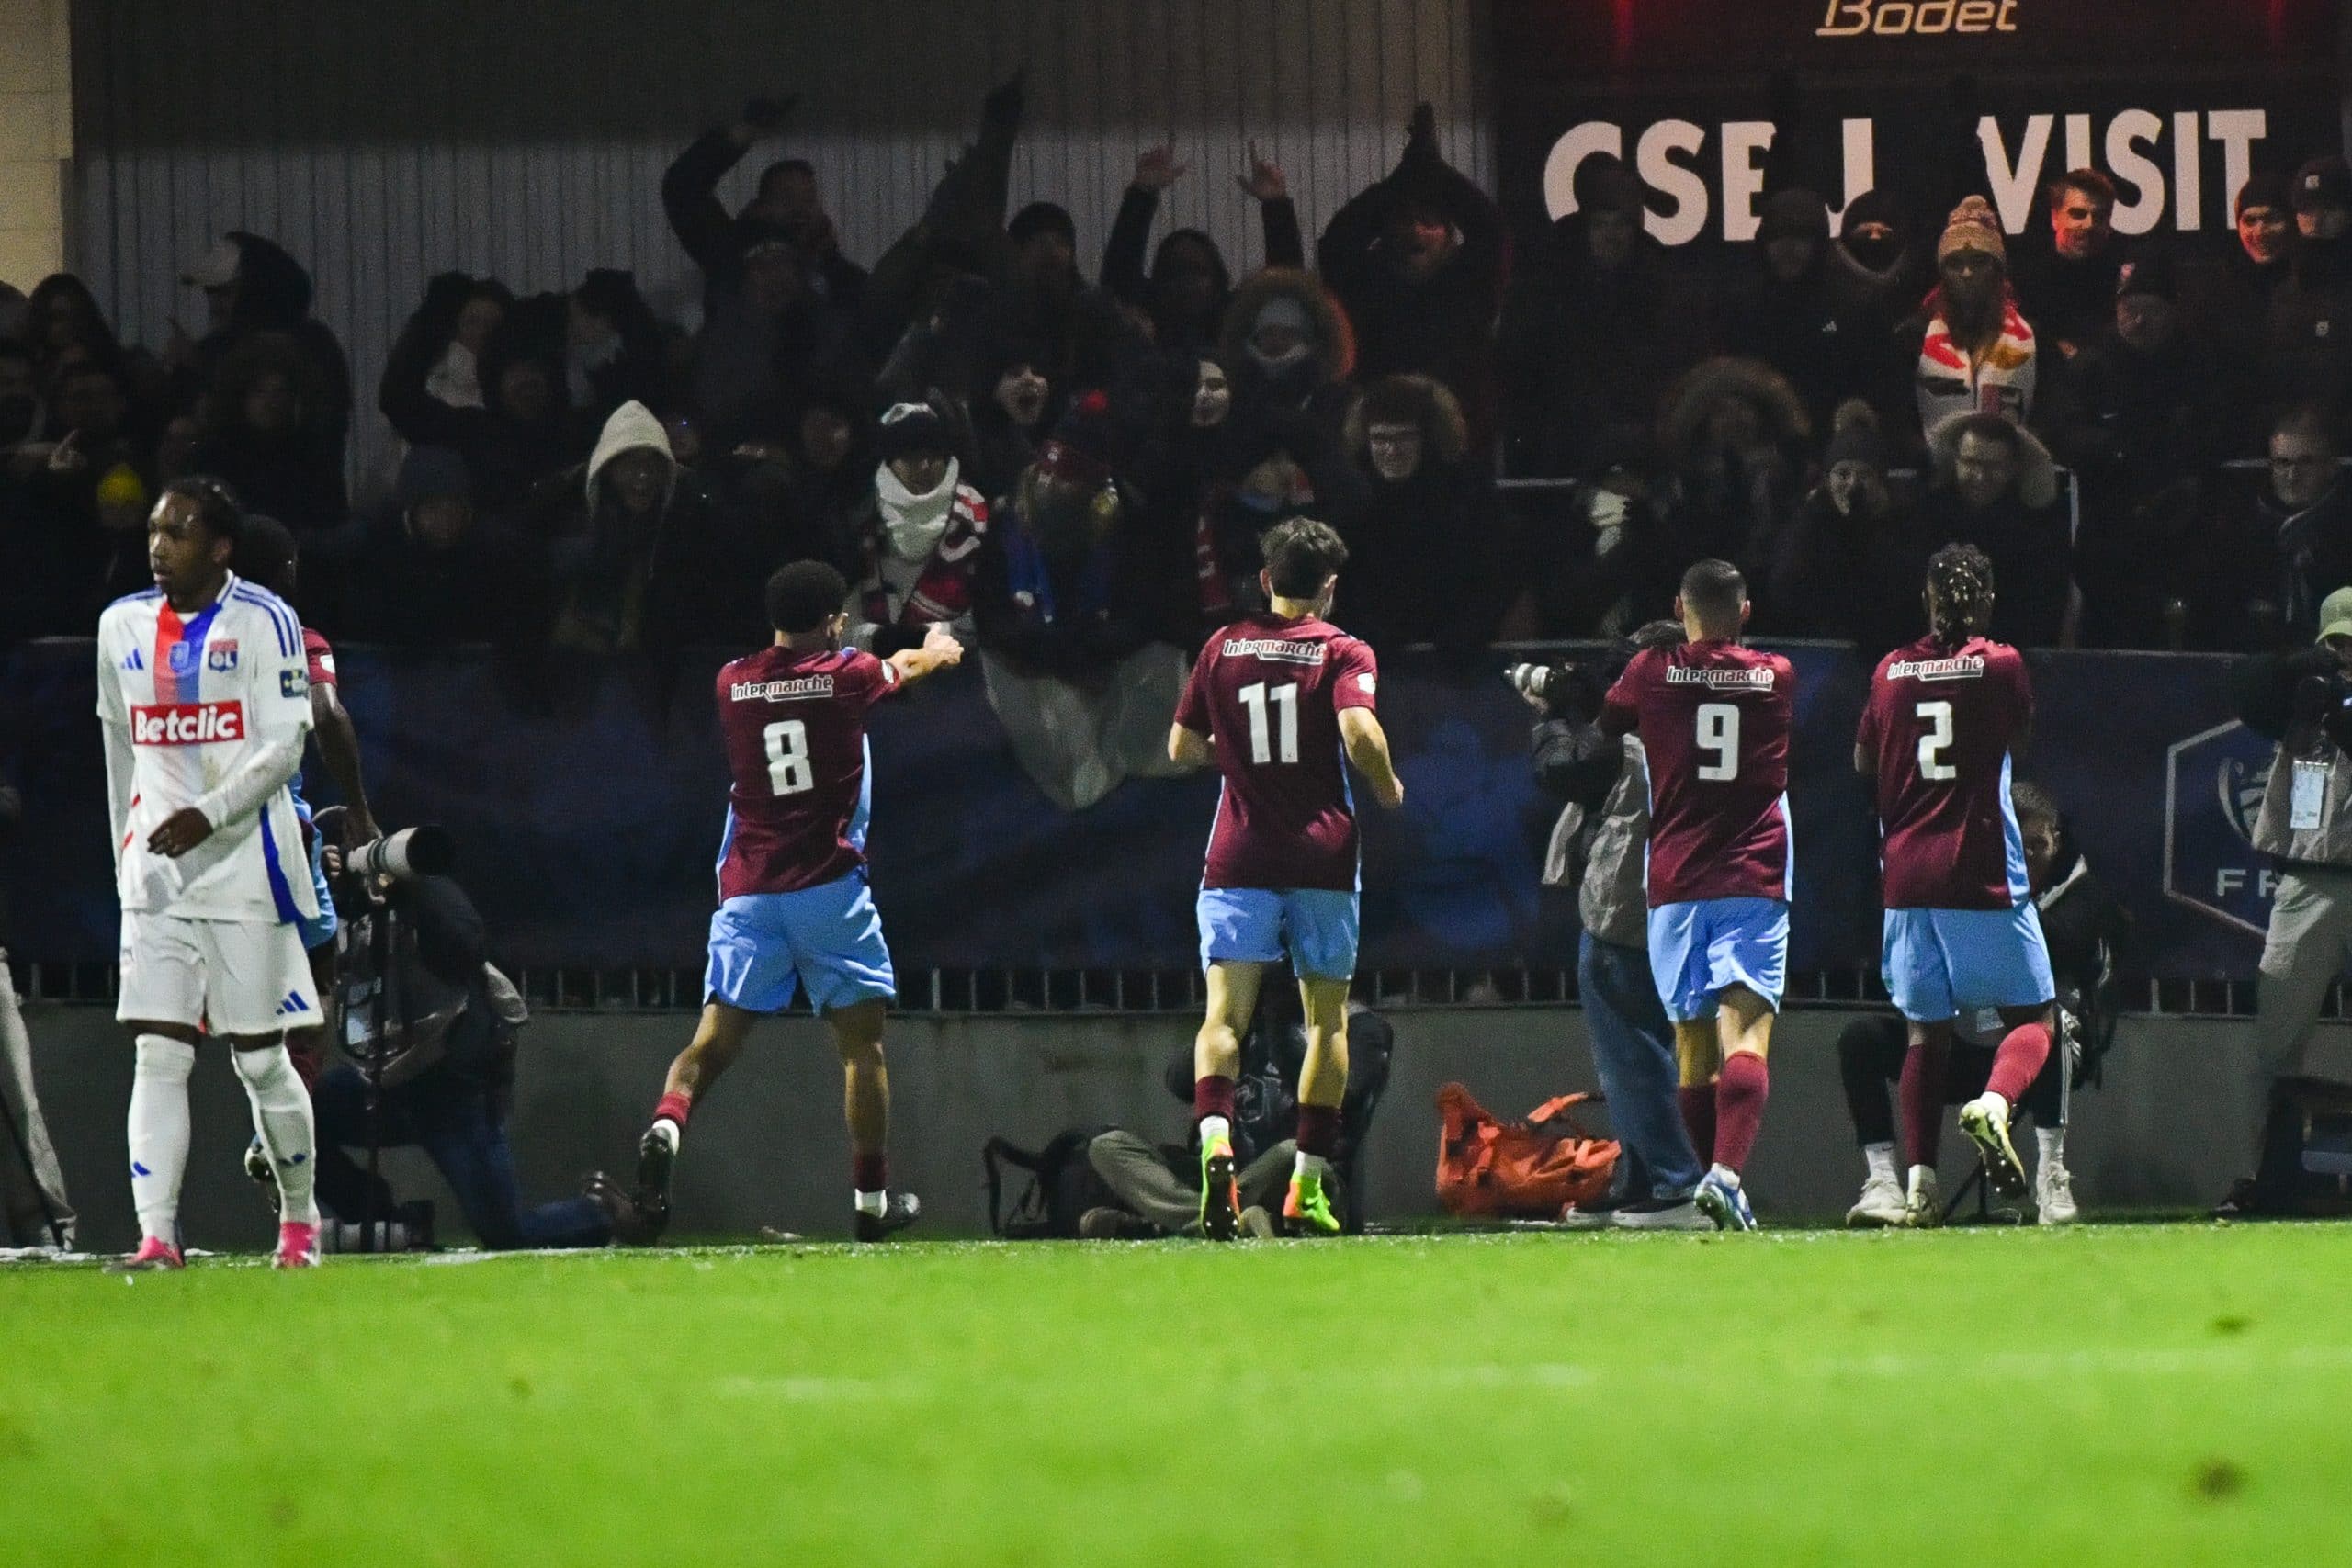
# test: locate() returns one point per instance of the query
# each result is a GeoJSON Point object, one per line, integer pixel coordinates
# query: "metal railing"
{"type": "Point", "coordinates": [980, 992]}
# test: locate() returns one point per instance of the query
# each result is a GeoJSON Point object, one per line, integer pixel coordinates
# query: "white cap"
{"type": "Point", "coordinates": [217, 267]}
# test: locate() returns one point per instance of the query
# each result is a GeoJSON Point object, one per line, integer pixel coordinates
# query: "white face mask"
{"type": "Point", "coordinates": [914, 523]}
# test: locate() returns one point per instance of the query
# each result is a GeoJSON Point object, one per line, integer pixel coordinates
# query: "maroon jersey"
{"type": "Point", "coordinates": [1715, 720]}
{"type": "Point", "coordinates": [795, 723]}
{"type": "Point", "coordinates": [1268, 692]}
{"type": "Point", "coordinates": [1940, 724]}
{"type": "Point", "coordinates": [320, 656]}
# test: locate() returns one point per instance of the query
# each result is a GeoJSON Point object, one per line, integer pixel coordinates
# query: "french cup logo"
{"type": "Point", "coordinates": [2214, 782]}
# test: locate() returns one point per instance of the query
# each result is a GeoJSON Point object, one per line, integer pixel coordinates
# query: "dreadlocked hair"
{"type": "Point", "coordinates": [1960, 594]}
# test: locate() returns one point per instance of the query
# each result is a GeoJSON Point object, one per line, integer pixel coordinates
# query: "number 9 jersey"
{"type": "Point", "coordinates": [796, 760]}
{"type": "Point", "coordinates": [1714, 718]}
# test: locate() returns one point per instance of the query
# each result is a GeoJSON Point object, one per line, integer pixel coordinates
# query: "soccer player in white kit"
{"type": "Point", "coordinates": [204, 700]}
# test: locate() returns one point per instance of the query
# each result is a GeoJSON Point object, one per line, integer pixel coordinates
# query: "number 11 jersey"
{"type": "Point", "coordinates": [1268, 692]}
{"type": "Point", "coordinates": [1940, 724]}
{"type": "Point", "coordinates": [796, 760]}
{"type": "Point", "coordinates": [1714, 720]}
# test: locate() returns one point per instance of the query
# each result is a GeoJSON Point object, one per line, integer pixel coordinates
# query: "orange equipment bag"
{"type": "Point", "coordinates": [1526, 1170]}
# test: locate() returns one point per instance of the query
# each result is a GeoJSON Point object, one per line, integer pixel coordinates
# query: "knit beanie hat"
{"type": "Point", "coordinates": [1854, 437]}
{"type": "Point", "coordinates": [1793, 214]}
{"type": "Point", "coordinates": [1084, 441]}
{"type": "Point", "coordinates": [1604, 184]}
{"type": "Point", "coordinates": [1974, 227]}
{"type": "Point", "coordinates": [1874, 206]}
{"type": "Point", "coordinates": [2148, 271]}
{"type": "Point", "coordinates": [1039, 217]}
{"type": "Point", "coordinates": [2274, 191]}
{"type": "Point", "coordinates": [910, 428]}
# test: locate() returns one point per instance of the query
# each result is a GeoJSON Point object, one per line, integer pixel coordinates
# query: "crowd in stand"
{"type": "Point", "coordinates": [1073, 474]}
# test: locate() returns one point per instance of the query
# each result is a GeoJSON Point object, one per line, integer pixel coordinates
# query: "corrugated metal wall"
{"type": "Point", "coordinates": [383, 140]}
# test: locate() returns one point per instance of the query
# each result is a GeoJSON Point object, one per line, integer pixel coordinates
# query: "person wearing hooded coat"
{"type": "Point", "coordinates": [1733, 439]}
{"type": "Point", "coordinates": [1803, 314]}
{"type": "Point", "coordinates": [266, 290]}
{"type": "Point", "coordinates": [1598, 324]}
{"type": "Point", "coordinates": [1065, 619]}
{"type": "Point", "coordinates": [1427, 555]}
{"type": "Point", "coordinates": [920, 536]}
{"type": "Point", "coordinates": [522, 433]}
{"type": "Point", "coordinates": [1188, 286]}
{"type": "Point", "coordinates": [1417, 261]}
{"type": "Point", "coordinates": [637, 562]}
{"type": "Point", "coordinates": [2010, 511]}
{"type": "Point", "coordinates": [1850, 564]}
{"type": "Point", "coordinates": [431, 569]}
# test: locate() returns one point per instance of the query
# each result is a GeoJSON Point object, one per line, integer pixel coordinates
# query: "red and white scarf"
{"type": "Point", "coordinates": [1998, 380]}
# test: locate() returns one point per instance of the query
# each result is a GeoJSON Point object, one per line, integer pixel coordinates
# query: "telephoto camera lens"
{"type": "Point", "coordinates": [411, 852]}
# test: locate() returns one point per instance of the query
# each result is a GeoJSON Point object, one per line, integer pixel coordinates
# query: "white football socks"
{"type": "Point", "coordinates": [282, 1117]}
{"type": "Point", "coordinates": [1215, 1127]}
{"type": "Point", "coordinates": [158, 1132]}
{"type": "Point", "coordinates": [1879, 1160]}
{"type": "Point", "coordinates": [874, 1203]}
{"type": "Point", "coordinates": [2050, 1143]}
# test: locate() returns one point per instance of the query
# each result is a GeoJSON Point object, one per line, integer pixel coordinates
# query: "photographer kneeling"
{"type": "Point", "coordinates": [442, 1040]}
{"type": "Point", "coordinates": [2302, 699]}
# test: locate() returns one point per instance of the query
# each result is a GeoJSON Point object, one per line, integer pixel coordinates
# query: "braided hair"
{"type": "Point", "coordinates": [1960, 594]}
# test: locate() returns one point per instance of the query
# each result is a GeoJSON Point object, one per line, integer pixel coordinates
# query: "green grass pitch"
{"type": "Point", "coordinates": [2152, 1395]}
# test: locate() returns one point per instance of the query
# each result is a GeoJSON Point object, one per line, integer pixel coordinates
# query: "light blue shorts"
{"type": "Point", "coordinates": [1698, 949]}
{"type": "Point", "coordinates": [1937, 962]}
{"type": "Point", "coordinates": [827, 940]}
{"type": "Point", "coordinates": [1253, 925]}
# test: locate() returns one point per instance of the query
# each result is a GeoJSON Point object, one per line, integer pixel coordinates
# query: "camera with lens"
{"type": "Point", "coordinates": [403, 856]}
{"type": "Point", "coordinates": [2326, 701]}
{"type": "Point", "coordinates": [1568, 689]}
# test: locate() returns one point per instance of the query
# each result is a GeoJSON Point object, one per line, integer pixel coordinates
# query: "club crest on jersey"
{"type": "Point", "coordinates": [1755, 679]}
{"type": "Point", "coordinates": [221, 655]}
{"type": "Point", "coordinates": [1960, 667]}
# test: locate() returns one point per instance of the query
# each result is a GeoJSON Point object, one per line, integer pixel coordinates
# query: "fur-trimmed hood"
{"type": "Point", "coordinates": [1428, 403]}
{"type": "Point", "coordinates": [1683, 414]}
{"type": "Point", "coordinates": [1335, 338]}
{"type": "Point", "coordinates": [2037, 475]}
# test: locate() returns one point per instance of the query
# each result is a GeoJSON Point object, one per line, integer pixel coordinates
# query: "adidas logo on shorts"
{"type": "Point", "coordinates": [294, 1004]}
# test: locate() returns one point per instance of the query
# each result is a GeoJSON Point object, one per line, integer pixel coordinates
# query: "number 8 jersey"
{"type": "Point", "coordinates": [1714, 720]}
{"type": "Point", "coordinates": [1268, 692]}
{"type": "Point", "coordinates": [795, 723]}
{"type": "Point", "coordinates": [1940, 724]}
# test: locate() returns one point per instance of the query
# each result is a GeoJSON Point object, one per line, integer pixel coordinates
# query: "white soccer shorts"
{"type": "Point", "coordinates": [235, 977]}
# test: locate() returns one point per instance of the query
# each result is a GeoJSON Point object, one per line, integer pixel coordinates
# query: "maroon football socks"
{"type": "Point", "coordinates": [674, 1107]}
{"type": "Point", "coordinates": [1212, 1096]}
{"type": "Point", "coordinates": [1740, 1092]}
{"type": "Point", "coordinates": [1318, 1130]}
{"type": "Point", "coordinates": [1921, 1098]}
{"type": "Point", "coordinates": [2018, 1061]}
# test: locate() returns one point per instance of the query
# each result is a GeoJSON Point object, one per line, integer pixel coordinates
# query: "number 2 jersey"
{"type": "Point", "coordinates": [1714, 720]}
{"type": "Point", "coordinates": [800, 789]}
{"type": "Point", "coordinates": [1269, 691]}
{"type": "Point", "coordinates": [1940, 724]}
